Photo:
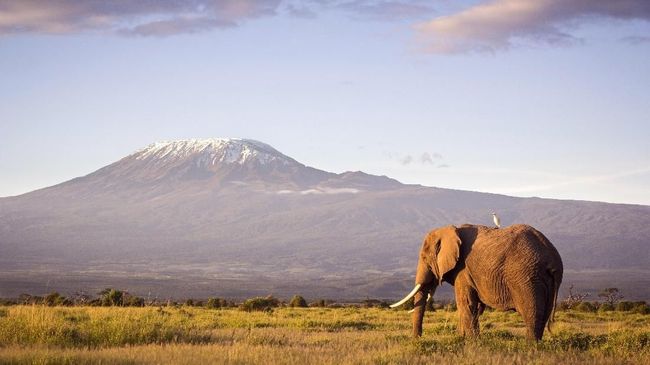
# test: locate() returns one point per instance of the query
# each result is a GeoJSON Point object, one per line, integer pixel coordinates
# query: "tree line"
{"type": "Point", "coordinates": [611, 300]}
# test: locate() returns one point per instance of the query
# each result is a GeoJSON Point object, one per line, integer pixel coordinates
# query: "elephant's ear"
{"type": "Point", "coordinates": [449, 250]}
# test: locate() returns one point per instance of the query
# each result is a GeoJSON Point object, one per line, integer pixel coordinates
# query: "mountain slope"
{"type": "Point", "coordinates": [237, 217]}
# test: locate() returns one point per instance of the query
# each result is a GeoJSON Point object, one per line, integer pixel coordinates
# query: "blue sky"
{"type": "Point", "coordinates": [526, 98]}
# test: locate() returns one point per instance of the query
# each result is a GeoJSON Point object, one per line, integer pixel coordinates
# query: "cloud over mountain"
{"type": "Point", "coordinates": [502, 24]}
{"type": "Point", "coordinates": [168, 17]}
{"type": "Point", "coordinates": [151, 18]}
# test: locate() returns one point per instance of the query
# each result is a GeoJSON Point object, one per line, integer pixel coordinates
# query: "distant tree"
{"type": "Point", "coordinates": [26, 299]}
{"type": "Point", "coordinates": [80, 298]}
{"type": "Point", "coordinates": [611, 295]}
{"type": "Point", "coordinates": [641, 308]}
{"type": "Point", "coordinates": [573, 299]}
{"type": "Point", "coordinates": [110, 297]}
{"type": "Point", "coordinates": [585, 307]}
{"type": "Point", "coordinates": [216, 303]}
{"type": "Point", "coordinates": [321, 303]}
{"type": "Point", "coordinates": [624, 306]}
{"type": "Point", "coordinates": [451, 306]}
{"type": "Point", "coordinates": [297, 301]}
{"type": "Point", "coordinates": [605, 307]}
{"type": "Point", "coordinates": [55, 299]}
{"type": "Point", "coordinates": [260, 304]}
{"type": "Point", "coordinates": [374, 303]}
{"type": "Point", "coordinates": [410, 304]}
{"type": "Point", "coordinates": [132, 300]}
{"type": "Point", "coordinates": [8, 301]}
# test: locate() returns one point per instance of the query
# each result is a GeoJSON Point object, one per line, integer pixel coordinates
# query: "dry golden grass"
{"type": "Point", "coordinates": [185, 335]}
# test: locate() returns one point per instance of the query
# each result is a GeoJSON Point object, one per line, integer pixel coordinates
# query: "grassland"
{"type": "Point", "coordinates": [189, 335]}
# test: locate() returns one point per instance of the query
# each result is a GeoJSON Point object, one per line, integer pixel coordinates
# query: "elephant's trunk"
{"type": "Point", "coordinates": [424, 276]}
{"type": "Point", "coordinates": [420, 302]}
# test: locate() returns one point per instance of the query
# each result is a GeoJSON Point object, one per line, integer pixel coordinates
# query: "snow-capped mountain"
{"type": "Point", "coordinates": [236, 217]}
{"type": "Point", "coordinates": [208, 163]}
{"type": "Point", "coordinates": [213, 152]}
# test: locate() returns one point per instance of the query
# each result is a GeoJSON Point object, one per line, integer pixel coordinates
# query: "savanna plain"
{"type": "Point", "coordinates": [180, 334]}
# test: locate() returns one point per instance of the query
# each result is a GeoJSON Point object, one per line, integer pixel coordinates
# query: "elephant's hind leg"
{"type": "Point", "coordinates": [531, 303]}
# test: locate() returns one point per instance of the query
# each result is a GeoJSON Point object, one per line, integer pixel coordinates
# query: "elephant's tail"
{"type": "Point", "coordinates": [556, 279]}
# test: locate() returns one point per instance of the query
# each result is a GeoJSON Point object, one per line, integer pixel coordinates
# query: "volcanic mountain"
{"type": "Point", "coordinates": [235, 217]}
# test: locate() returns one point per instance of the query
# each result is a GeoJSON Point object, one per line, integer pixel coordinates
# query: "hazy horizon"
{"type": "Point", "coordinates": [547, 99]}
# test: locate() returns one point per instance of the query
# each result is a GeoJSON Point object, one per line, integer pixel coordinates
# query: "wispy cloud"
{"type": "Point", "coordinates": [636, 40]}
{"type": "Point", "coordinates": [168, 17]}
{"type": "Point", "coordinates": [424, 158]}
{"type": "Point", "coordinates": [146, 17]}
{"type": "Point", "coordinates": [502, 24]}
{"type": "Point", "coordinates": [320, 191]}
{"type": "Point", "coordinates": [386, 10]}
{"type": "Point", "coordinates": [562, 181]}
{"type": "Point", "coordinates": [377, 10]}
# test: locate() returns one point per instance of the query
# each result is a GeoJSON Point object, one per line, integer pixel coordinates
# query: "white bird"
{"type": "Point", "coordinates": [496, 220]}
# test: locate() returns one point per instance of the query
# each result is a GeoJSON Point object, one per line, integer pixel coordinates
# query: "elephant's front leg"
{"type": "Point", "coordinates": [469, 308]}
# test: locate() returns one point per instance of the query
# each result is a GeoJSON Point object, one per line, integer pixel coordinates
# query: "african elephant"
{"type": "Point", "coordinates": [511, 268]}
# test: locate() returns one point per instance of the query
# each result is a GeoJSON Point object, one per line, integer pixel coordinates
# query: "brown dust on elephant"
{"type": "Point", "coordinates": [511, 268]}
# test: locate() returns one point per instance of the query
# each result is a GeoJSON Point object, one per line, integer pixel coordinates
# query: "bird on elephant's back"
{"type": "Point", "coordinates": [512, 268]}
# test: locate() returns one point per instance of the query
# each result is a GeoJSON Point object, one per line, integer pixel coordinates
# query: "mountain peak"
{"type": "Point", "coordinates": [213, 151]}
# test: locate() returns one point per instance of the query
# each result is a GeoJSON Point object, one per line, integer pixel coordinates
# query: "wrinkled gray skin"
{"type": "Point", "coordinates": [512, 268]}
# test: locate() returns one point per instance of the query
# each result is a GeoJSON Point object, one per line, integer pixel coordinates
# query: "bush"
{"type": "Point", "coordinates": [641, 308]}
{"type": "Point", "coordinates": [110, 297]}
{"type": "Point", "coordinates": [321, 303]}
{"type": "Point", "coordinates": [5, 301]}
{"type": "Point", "coordinates": [132, 300]}
{"type": "Point", "coordinates": [298, 302]}
{"type": "Point", "coordinates": [451, 307]}
{"type": "Point", "coordinates": [374, 303]}
{"type": "Point", "coordinates": [216, 303]}
{"type": "Point", "coordinates": [55, 299]}
{"type": "Point", "coordinates": [605, 307]}
{"type": "Point", "coordinates": [585, 307]}
{"type": "Point", "coordinates": [260, 304]}
{"type": "Point", "coordinates": [29, 299]}
{"type": "Point", "coordinates": [624, 306]}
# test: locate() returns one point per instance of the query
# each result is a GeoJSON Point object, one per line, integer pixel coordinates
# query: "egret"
{"type": "Point", "coordinates": [496, 220]}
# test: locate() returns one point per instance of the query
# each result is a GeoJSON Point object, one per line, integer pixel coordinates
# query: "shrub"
{"type": "Point", "coordinates": [581, 341]}
{"type": "Point", "coordinates": [641, 308]}
{"type": "Point", "coordinates": [297, 301]}
{"type": "Point", "coordinates": [624, 306]}
{"type": "Point", "coordinates": [132, 300]}
{"type": "Point", "coordinates": [216, 303]}
{"type": "Point", "coordinates": [5, 301]}
{"type": "Point", "coordinates": [585, 307]}
{"type": "Point", "coordinates": [321, 303]}
{"type": "Point", "coordinates": [29, 299]}
{"type": "Point", "coordinates": [55, 299]}
{"type": "Point", "coordinates": [260, 304]}
{"type": "Point", "coordinates": [605, 307]}
{"type": "Point", "coordinates": [374, 303]}
{"type": "Point", "coordinates": [110, 297]}
{"type": "Point", "coordinates": [451, 307]}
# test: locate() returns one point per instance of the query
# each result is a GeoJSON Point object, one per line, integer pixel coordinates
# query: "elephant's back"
{"type": "Point", "coordinates": [530, 248]}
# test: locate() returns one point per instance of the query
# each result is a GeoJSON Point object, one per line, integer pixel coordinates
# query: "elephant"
{"type": "Point", "coordinates": [512, 268]}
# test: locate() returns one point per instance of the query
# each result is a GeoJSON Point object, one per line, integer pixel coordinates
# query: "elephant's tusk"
{"type": "Point", "coordinates": [428, 298]}
{"type": "Point", "coordinates": [409, 296]}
